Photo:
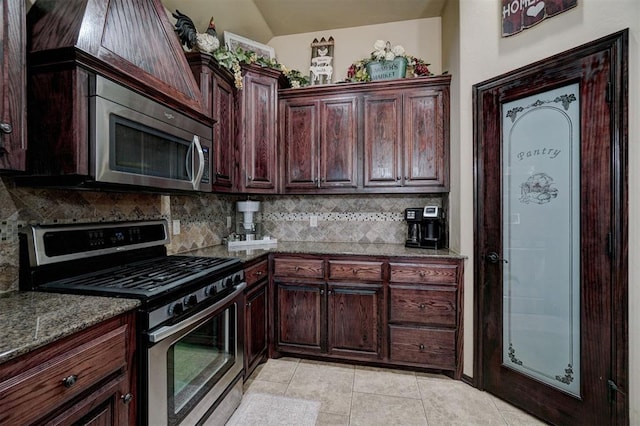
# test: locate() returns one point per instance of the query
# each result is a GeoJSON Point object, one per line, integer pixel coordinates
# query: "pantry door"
{"type": "Point", "coordinates": [551, 224]}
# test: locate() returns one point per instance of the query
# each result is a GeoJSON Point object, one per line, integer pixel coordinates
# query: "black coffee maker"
{"type": "Point", "coordinates": [425, 227]}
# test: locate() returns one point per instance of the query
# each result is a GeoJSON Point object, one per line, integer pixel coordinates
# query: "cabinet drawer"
{"type": "Point", "coordinates": [430, 347]}
{"type": "Point", "coordinates": [255, 273]}
{"type": "Point", "coordinates": [306, 268]}
{"type": "Point", "coordinates": [349, 270]}
{"type": "Point", "coordinates": [41, 389]}
{"type": "Point", "coordinates": [423, 306]}
{"type": "Point", "coordinates": [423, 273]}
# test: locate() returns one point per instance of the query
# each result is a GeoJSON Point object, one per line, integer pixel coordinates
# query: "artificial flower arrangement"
{"type": "Point", "coordinates": [384, 52]}
{"type": "Point", "coordinates": [231, 60]}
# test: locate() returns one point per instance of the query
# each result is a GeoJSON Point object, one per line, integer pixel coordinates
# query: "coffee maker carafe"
{"type": "Point", "coordinates": [425, 227]}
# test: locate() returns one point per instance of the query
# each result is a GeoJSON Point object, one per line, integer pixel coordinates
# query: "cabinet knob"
{"type": "Point", "coordinates": [321, 292]}
{"type": "Point", "coordinates": [6, 128]}
{"type": "Point", "coordinates": [355, 271]}
{"type": "Point", "coordinates": [297, 268]}
{"type": "Point", "coordinates": [250, 177]}
{"type": "Point", "coordinates": [421, 274]}
{"type": "Point", "coordinates": [422, 306]}
{"type": "Point", "coordinates": [421, 346]}
{"type": "Point", "coordinates": [126, 398]}
{"type": "Point", "coordinates": [258, 273]}
{"type": "Point", "coordinates": [70, 380]}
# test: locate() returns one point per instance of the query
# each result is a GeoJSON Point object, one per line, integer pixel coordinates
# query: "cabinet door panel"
{"type": "Point", "coordinates": [12, 93]}
{"type": "Point", "coordinates": [259, 132]}
{"type": "Point", "coordinates": [354, 316]}
{"type": "Point", "coordinates": [338, 142]}
{"type": "Point", "coordinates": [382, 139]}
{"type": "Point", "coordinates": [300, 136]}
{"type": "Point", "coordinates": [300, 317]}
{"type": "Point", "coordinates": [424, 138]}
{"type": "Point", "coordinates": [256, 324]}
{"type": "Point", "coordinates": [223, 133]}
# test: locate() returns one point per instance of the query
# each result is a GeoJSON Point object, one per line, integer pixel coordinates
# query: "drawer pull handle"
{"type": "Point", "coordinates": [421, 346]}
{"type": "Point", "coordinates": [259, 273]}
{"type": "Point", "coordinates": [422, 306]}
{"type": "Point", "coordinates": [70, 380]}
{"type": "Point", "coordinates": [6, 128]}
{"type": "Point", "coordinates": [126, 398]}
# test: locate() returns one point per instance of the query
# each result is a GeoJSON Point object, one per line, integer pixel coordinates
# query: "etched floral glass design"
{"type": "Point", "coordinates": [541, 237]}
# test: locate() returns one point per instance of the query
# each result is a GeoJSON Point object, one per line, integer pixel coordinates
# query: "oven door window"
{"type": "Point", "coordinates": [197, 361]}
{"type": "Point", "coordinates": [141, 150]}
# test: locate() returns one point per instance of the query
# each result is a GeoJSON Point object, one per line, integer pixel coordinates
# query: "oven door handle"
{"type": "Point", "coordinates": [168, 330]}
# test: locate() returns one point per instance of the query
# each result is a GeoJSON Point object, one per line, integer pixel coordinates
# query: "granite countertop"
{"type": "Point", "coordinates": [32, 319]}
{"type": "Point", "coordinates": [296, 247]}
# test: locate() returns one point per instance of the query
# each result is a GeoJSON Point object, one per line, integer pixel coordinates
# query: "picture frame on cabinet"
{"type": "Point", "coordinates": [233, 41]}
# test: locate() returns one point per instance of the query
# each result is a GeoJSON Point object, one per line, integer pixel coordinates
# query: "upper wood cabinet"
{"type": "Point", "coordinates": [406, 139]}
{"type": "Point", "coordinates": [13, 91]}
{"type": "Point", "coordinates": [218, 92]}
{"type": "Point", "coordinates": [257, 130]}
{"type": "Point", "coordinates": [319, 143]}
{"type": "Point", "coordinates": [376, 137]}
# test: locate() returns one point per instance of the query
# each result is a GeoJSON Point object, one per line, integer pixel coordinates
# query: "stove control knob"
{"type": "Point", "coordinates": [237, 278]}
{"type": "Point", "coordinates": [190, 301]}
{"type": "Point", "coordinates": [211, 290]}
{"type": "Point", "coordinates": [228, 282]}
{"type": "Point", "coordinates": [176, 309]}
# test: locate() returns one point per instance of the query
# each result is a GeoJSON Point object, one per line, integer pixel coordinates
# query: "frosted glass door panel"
{"type": "Point", "coordinates": [541, 237]}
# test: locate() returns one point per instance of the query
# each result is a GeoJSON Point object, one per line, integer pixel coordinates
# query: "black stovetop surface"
{"type": "Point", "coordinates": [148, 278]}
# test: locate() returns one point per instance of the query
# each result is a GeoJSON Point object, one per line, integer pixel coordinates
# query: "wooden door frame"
{"type": "Point", "coordinates": [617, 44]}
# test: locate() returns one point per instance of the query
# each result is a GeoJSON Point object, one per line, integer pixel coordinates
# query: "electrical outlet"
{"type": "Point", "coordinates": [228, 222]}
{"type": "Point", "coordinates": [313, 221]}
{"type": "Point", "coordinates": [176, 227]}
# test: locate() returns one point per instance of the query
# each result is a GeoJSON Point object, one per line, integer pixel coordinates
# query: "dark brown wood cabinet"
{"type": "Point", "coordinates": [86, 378]}
{"type": "Point", "coordinates": [425, 314]}
{"type": "Point", "coordinates": [257, 130]}
{"type": "Point", "coordinates": [13, 138]}
{"type": "Point", "coordinates": [406, 139]}
{"type": "Point", "coordinates": [329, 307]}
{"type": "Point", "coordinates": [319, 138]}
{"type": "Point", "coordinates": [383, 310]}
{"type": "Point", "coordinates": [378, 137]}
{"type": "Point", "coordinates": [218, 91]}
{"type": "Point", "coordinates": [256, 316]}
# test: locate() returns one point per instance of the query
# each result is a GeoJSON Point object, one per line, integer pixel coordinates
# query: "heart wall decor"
{"type": "Point", "coordinates": [518, 15]}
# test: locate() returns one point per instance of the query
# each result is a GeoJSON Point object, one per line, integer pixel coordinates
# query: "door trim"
{"type": "Point", "coordinates": [617, 45]}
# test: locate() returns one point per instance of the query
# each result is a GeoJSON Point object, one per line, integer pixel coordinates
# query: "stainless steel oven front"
{"type": "Point", "coordinates": [195, 366]}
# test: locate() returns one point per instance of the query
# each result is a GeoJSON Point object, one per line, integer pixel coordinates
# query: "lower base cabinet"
{"type": "Point", "coordinates": [383, 310]}
{"type": "Point", "coordinates": [87, 378]}
{"type": "Point", "coordinates": [256, 316]}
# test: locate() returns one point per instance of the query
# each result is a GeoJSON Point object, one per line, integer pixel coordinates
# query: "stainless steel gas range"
{"type": "Point", "coordinates": [189, 325]}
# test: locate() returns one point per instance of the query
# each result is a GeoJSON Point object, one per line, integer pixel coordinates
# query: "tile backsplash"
{"type": "Point", "coordinates": [203, 218]}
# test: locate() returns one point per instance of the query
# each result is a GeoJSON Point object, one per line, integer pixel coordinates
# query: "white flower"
{"type": "Point", "coordinates": [295, 84]}
{"type": "Point", "coordinates": [398, 50]}
{"type": "Point", "coordinates": [379, 45]}
{"type": "Point", "coordinates": [379, 54]}
{"type": "Point", "coordinates": [390, 56]}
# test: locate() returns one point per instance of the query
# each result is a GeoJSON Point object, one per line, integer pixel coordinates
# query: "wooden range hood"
{"type": "Point", "coordinates": [129, 41]}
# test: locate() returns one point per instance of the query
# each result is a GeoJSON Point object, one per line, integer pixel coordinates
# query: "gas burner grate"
{"type": "Point", "coordinates": [145, 278]}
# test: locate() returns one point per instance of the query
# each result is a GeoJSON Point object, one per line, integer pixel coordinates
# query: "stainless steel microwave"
{"type": "Point", "coordinates": [138, 141]}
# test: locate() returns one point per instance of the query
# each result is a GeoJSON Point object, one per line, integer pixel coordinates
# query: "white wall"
{"type": "Point", "coordinates": [420, 38]}
{"type": "Point", "coordinates": [485, 54]}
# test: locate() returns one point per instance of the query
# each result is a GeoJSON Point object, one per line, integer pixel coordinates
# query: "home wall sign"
{"type": "Point", "coordinates": [518, 15]}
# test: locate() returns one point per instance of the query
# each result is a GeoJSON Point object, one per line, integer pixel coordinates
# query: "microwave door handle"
{"type": "Point", "coordinates": [188, 163]}
{"type": "Point", "coordinates": [196, 179]}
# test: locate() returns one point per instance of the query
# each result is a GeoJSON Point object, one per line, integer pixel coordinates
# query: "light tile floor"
{"type": "Point", "coordinates": [358, 395]}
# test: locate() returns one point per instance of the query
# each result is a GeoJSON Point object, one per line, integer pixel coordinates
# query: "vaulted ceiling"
{"type": "Point", "coordinates": [261, 20]}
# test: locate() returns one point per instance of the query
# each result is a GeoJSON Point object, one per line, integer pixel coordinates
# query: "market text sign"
{"type": "Point", "coordinates": [518, 15]}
